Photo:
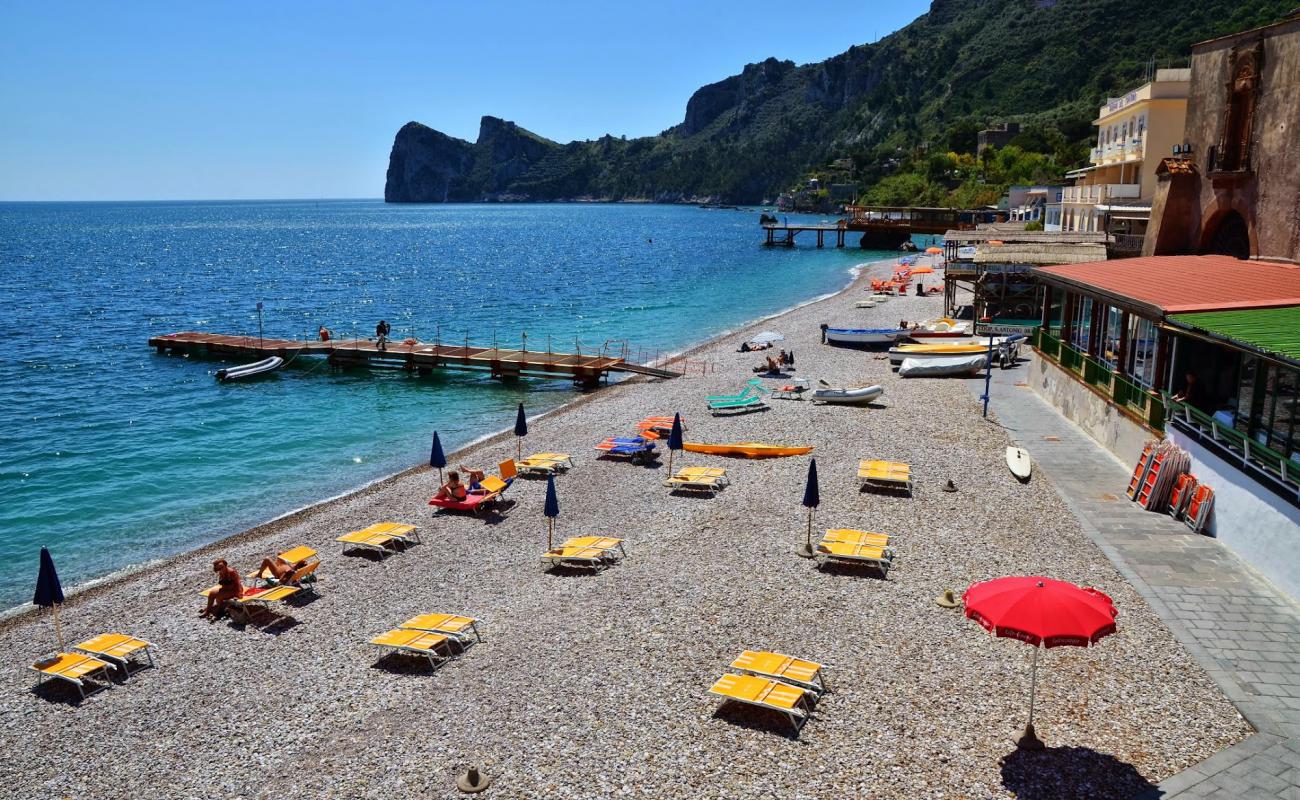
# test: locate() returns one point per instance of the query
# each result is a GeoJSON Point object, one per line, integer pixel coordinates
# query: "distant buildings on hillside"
{"type": "Point", "coordinates": [996, 136]}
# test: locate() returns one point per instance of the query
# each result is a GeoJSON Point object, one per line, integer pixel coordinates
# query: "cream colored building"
{"type": "Point", "coordinates": [1134, 132]}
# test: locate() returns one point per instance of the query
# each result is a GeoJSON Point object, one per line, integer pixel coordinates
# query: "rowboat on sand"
{"type": "Point", "coordinates": [858, 336]}
{"type": "Point", "coordinates": [746, 449]}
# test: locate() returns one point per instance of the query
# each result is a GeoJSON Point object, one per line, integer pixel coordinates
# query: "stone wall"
{"type": "Point", "coordinates": [1081, 405]}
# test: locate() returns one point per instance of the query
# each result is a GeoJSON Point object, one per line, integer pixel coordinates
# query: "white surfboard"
{"type": "Point", "coordinates": [1019, 463]}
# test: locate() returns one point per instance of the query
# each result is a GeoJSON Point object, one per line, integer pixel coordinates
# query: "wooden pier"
{"type": "Point", "coordinates": [420, 357]}
{"type": "Point", "coordinates": [792, 230]}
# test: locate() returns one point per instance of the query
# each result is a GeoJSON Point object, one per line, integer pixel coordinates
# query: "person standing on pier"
{"type": "Point", "coordinates": [381, 334]}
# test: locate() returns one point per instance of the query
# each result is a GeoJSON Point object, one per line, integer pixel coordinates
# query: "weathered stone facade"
{"type": "Point", "coordinates": [1239, 193]}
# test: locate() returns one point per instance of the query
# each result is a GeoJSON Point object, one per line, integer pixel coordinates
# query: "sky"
{"type": "Point", "coordinates": [290, 99]}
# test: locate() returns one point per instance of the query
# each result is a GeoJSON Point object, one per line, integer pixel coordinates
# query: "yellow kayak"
{"type": "Point", "coordinates": [746, 449]}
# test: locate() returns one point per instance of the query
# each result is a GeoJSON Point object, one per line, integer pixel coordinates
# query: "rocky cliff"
{"type": "Point", "coordinates": [960, 66]}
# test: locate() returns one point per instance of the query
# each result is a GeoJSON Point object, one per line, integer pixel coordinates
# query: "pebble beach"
{"type": "Point", "coordinates": [596, 685]}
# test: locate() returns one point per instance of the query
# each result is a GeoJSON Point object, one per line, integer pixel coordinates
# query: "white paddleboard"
{"type": "Point", "coordinates": [1019, 463]}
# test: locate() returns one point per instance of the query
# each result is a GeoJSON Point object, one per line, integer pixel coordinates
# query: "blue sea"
{"type": "Point", "coordinates": [114, 456]}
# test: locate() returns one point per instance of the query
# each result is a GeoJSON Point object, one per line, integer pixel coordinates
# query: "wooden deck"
{"type": "Point", "coordinates": [791, 231]}
{"type": "Point", "coordinates": [422, 357]}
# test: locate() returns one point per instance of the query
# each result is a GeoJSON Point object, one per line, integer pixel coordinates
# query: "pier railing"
{"type": "Point", "coordinates": [1252, 455]}
{"type": "Point", "coordinates": [1134, 399]}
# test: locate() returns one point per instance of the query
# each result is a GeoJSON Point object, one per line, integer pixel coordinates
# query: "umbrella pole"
{"type": "Point", "coordinates": [550, 530]}
{"type": "Point", "coordinates": [58, 629]}
{"type": "Point", "coordinates": [806, 551]}
{"type": "Point", "coordinates": [1029, 739]}
{"type": "Point", "coordinates": [519, 447]}
{"type": "Point", "coordinates": [670, 462]}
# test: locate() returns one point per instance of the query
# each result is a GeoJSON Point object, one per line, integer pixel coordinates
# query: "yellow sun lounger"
{"type": "Point", "coordinates": [857, 553]}
{"type": "Point", "coordinates": [765, 693]}
{"type": "Point", "coordinates": [699, 479]}
{"type": "Point", "coordinates": [766, 664]}
{"type": "Point", "coordinates": [567, 555]}
{"type": "Point", "coordinates": [242, 609]}
{"type": "Point", "coordinates": [457, 627]}
{"type": "Point", "coordinates": [598, 542]}
{"type": "Point", "coordinates": [76, 669]}
{"type": "Point", "coordinates": [381, 536]}
{"type": "Point", "coordinates": [544, 463]}
{"type": "Point", "coordinates": [885, 474]}
{"type": "Point", "coordinates": [852, 536]}
{"type": "Point", "coordinates": [423, 644]}
{"type": "Point", "coordinates": [117, 648]}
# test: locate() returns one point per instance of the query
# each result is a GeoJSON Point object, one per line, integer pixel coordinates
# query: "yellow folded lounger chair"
{"type": "Point", "coordinates": [422, 644]}
{"type": "Point", "coordinates": [857, 553]}
{"type": "Point", "coordinates": [575, 555]}
{"type": "Point", "coordinates": [380, 536]}
{"type": "Point", "coordinates": [698, 479]}
{"type": "Point", "coordinates": [117, 648]}
{"type": "Point", "coordinates": [457, 627]}
{"type": "Point", "coordinates": [885, 474]}
{"type": "Point", "coordinates": [765, 693]}
{"type": "Point", "coordinates": [76, 669]}
{"type": "Point", "coordinates": [853, 536]}
{"type": "Point", "coordinates": [598, 542]}
{"type": "Point", "coordinates": [766, 664]}
{"type": "Point", "coordinates": [544, 463]}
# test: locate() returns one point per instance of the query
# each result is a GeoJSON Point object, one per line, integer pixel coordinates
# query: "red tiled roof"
{"type": "Point", "coordinates": [1177, 284]}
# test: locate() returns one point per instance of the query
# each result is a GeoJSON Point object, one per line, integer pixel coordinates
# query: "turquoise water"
{"type": "Point", "coordinates": [113, 455]}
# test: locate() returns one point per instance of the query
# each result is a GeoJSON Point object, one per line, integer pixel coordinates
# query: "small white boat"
{"type": "Point", "coordinates": [942, 328]}
{"type": "Point", "coordinates": [1019, 463]}
{"type": "Point", "coordinates": [878, 297]}
{"type": "Point", "coordinates": [857, 396]}
{"type": "Point", "coordinates": [863, 335]}
{"type": "Point", "coordinates": [942, 367]}
{"type": "Point", "coordinates": [865, 304]}
{"type": "Point", "coordinates": [250, 370]}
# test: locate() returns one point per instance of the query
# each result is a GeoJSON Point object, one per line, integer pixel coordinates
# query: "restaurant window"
{"type": "Point", "coordinates": [1282, 421]}
{"type": "Point", "coordinates": [1267, 399]}
{"type": "Point", "coordinates": [1111, 320]}
{"type": "Point", "coordinates": [1142, 352]}
{"type": "Point", "coordinates": [1081, 323]}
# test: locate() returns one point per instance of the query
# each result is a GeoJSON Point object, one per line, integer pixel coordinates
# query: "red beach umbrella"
{"type": "Point", "coordinates": [1043, 613]}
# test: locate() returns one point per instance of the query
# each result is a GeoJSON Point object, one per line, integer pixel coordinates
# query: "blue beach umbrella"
{"type": "Point", "coordinates": [811, 499]}
{"type": "Point", "coordinates": [674, 440]}
{"type": "Point", "coordinates": [521, 430]}
{"type": "Point", "coordinates": [436, 458]}
{"type": "Point", "coordinates": [49, 593]}
{"type": "Point", "coordinates": [551, 509]}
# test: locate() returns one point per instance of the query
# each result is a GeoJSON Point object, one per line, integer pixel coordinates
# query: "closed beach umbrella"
{"type": "Point", "coordinates": [551, 509]}
{"type": "Point", "coordinates": [674, 440]}
{"type": "Point", "coordinates": [811, 499]}
{"type": "Point", "coordinates": [49, 594]}
{"type": "Point", "coordinates": [521, 430]}
{"type": "Point", "coordinates": [436, 458]}
{"type": "Point", "coordinates": [1040, 612]}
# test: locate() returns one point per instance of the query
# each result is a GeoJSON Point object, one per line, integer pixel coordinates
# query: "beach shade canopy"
{"type": "Point", "coordinates": [1043, 613]}
{"type": "Point", "coordinates": [551, 509]}
{"type": "Point", "coordinates": [436, 458]}
{"type": "Point", "coordinates": [934, 251]}
{"type": "Point", "coordinates": [767, 337]}
{"type": "Point", "coordinates": [811, 499]}
{"type": "Point", "coordinates": [922, 270]}
{"type": "Point", "coordinates": [49, 593]}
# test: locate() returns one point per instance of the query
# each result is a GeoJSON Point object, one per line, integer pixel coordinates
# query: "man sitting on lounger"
{"type": "Point", "coordinates": [229, 587]}
{"type": "Point", "coordinates": [453, 489]}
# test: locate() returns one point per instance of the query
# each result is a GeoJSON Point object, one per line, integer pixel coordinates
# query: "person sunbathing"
{"type": "Point", "coordinates": [277, 569]}
{"type": "Point", "coordinates": [473, 477]}
{"type": "Point", "coordinates": [453, 489]}
{"type": "Point", "coordinates": [229, 587]}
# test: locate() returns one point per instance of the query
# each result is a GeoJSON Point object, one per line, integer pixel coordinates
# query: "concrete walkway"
{"type": "Point", "coordinates": [1243, 630]}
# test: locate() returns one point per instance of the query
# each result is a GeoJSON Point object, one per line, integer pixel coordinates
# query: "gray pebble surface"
{"type": "Point", "coordinates": [596, 685]}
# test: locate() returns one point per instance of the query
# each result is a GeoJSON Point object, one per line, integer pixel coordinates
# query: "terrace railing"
{"type": "Point", "coordinates": [1252, 454]}
{"type": "Point", "coordinates": [1134, 399]}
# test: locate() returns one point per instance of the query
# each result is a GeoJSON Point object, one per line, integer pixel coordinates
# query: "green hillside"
{"type": "Point", "coordinates": [896, 108]}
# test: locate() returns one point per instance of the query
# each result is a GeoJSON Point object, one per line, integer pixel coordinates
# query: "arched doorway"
{"type": "Point", "coordinates": [1230, 237]}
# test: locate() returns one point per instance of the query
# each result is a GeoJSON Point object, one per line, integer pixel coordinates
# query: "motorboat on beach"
{"type": "Point", "coordinates": [860, 336]}
{"type": "Point", "coordinates": [941, 328]}
{"type": "Point", "coordinates": [245, 371]}
{"type": "Point", "coordinates": [854, 396]}
{"type": "Point", "coordinates": [942, 367]}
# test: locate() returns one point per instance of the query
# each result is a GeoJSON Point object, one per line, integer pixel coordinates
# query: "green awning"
{"type": "Point", "coordinates": [1271, 331]}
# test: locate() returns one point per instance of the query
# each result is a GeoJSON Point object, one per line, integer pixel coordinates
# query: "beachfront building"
{"type": "Point", "coordinates": [1121, 339]}
{"type": "Point", "coordinates": [1113, 193]}
{"type": "Point", "coordinates": [1029, 203]}
{"type": "Point", "coordinates": [1236, 189]}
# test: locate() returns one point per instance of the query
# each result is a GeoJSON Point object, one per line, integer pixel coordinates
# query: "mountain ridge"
{"type": "Point", "coordinates": [931, 84]}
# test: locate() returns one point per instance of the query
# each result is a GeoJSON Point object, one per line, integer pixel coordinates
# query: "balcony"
{"type": "Point", "coordinates": [1096, 193]}
{"type": "Point", "coordinates": [1123, 191]}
